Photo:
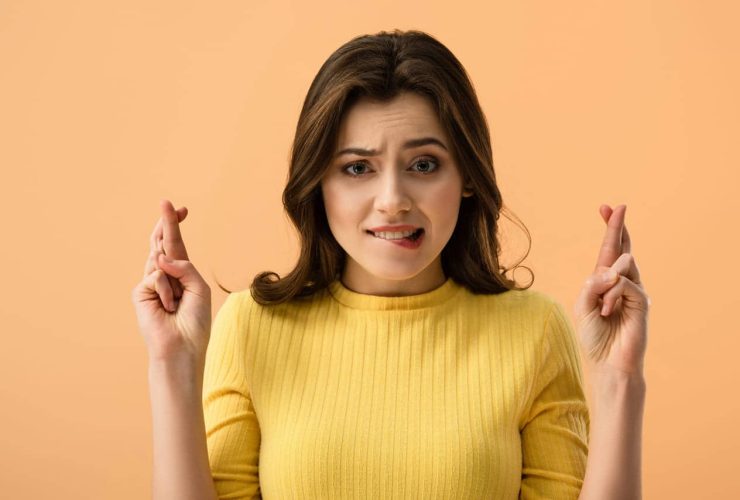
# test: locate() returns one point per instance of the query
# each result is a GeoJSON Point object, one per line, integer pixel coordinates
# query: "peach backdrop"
{"type": "Point", "coordinates": [106, 108]}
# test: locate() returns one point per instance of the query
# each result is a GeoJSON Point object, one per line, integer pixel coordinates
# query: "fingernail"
{"type": "Point", "coordinates": [603, 310]}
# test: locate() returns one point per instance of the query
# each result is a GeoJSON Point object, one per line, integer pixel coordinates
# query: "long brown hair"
{"type": "Point", "coordinates": [380, 67]}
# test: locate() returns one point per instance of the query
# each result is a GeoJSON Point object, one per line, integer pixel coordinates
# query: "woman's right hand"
{"type": "Point", "coordinates": [172, 301]}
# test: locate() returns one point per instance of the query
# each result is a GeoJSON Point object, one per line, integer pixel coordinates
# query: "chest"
{"type": "Point", "coordinates": [431, 410]}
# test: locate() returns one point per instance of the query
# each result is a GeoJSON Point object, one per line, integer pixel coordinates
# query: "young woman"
{"type": "Point", "coordinates": [396, 360]}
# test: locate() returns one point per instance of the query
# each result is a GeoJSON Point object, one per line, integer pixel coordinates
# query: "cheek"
{"type": "Point", "coordinates": [443, 205]}
{"type": "Point", "coordinates": [340, 209]}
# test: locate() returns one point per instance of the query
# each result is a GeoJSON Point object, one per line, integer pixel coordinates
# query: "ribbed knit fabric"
{"type": "Point", "coordinates": [446, 394]}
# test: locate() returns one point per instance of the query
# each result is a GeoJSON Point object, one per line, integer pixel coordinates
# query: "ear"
{"type": "Point", "coordinates": [467, 191]}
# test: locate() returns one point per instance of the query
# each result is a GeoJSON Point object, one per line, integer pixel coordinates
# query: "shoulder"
{"type": "Point", "coordinates": [529, 302]}
{"type": "Point", "coordinates": [243, 303]}
{"type": "Point", "coordinates": [525, 314]}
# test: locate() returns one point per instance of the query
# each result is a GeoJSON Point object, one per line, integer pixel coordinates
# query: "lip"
{"type": "Point", "coordinates": [403, 242]}
{"type": "Point", "coordinates": [394, 229]}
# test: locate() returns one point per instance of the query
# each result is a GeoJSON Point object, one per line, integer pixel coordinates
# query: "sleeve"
{"type": "Point", "coordinates": [556, 427]}
{"type": "Point", "coordinates": [232, 430]}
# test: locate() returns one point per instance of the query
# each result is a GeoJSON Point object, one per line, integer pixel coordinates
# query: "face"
{"type": "Point", "coordinates": [390, 177]}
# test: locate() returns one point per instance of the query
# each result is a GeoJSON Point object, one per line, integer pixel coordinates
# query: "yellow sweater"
{"type": "Point", "coordinates": [446, 394]}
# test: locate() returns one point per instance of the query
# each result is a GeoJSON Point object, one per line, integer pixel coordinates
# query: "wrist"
{"type": "Point", "coordinates": [184, 373]}
{"type": "Point", "coordinates": [617, 375]}
{"type": "Point", "coordinates": [180, 361]}
{"type": "Point", "coordinates": [617, 390]}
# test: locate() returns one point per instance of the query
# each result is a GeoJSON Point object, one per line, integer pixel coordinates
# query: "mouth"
{"type": "Point", "coordinates": [399, 235]}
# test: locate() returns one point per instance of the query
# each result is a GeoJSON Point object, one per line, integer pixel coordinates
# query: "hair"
{"type": "Point", "coordinates": [379, 67]}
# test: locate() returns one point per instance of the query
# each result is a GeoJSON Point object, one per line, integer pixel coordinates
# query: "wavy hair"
{"type": "Point", "coordinates": [379, 67]}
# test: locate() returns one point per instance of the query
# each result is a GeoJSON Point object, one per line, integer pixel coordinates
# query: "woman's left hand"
{"type": "Point", "coordinates": [612, 313]}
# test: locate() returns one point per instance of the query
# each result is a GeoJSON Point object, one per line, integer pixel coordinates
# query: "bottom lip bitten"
{"type": "Point", "coordinates": [414, 236]}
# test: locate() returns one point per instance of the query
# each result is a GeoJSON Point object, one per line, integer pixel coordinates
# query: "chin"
{"type": "Point", "coordinates": [397, 272]}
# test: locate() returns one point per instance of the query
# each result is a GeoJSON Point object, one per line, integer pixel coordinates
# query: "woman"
{"type": "Point", "coordinates": [396, 359]}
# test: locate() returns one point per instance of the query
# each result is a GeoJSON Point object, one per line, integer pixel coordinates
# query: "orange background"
{"type": "Point", "coordinates": [107, 108]}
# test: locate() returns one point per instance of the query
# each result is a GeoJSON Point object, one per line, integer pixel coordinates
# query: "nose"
{"type": "Point", "coordinates": [391, 197]}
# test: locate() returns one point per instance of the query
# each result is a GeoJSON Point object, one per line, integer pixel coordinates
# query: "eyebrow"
{"type": "Point", "coordinates": [413, 143]}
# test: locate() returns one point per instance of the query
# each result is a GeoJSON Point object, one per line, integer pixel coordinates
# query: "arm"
{"type": "Point", "coordinates": [233, 435]}
{"type": "Point", "coordinates": [612, 315]}
{"type": "Point", "coordinates": [180, 468]}
{"type": "Point", "coordinates": [556, 424]}
{"type": "Point", "coordinates": [614, 466]}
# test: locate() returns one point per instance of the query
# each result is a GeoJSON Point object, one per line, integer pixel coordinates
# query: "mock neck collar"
{"type": "Point", "coordinates": [356, 300]}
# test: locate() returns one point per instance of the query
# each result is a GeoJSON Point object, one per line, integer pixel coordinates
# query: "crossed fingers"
{"type": "Point", "coordinates": [167, 239]}
{"type": "Point", "coordinates": [616, 238]}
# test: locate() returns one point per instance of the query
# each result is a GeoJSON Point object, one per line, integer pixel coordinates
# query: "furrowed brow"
{"type": "Point", "coordinates": [413, 143]}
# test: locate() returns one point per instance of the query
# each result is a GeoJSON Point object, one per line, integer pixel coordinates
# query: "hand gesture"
{"type": "Point", "coordinates": [612, 308]}
{"type": "Point", "coordinates": [172, 301]}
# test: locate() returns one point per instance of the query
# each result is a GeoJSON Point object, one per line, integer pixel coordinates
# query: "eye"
{"type": "Point", "coordinates": [426, 161]}
{"type": "Point", "coordinates": [352, 168]}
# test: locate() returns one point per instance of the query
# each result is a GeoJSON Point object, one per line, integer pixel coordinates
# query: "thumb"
{"type": "Point", "coordinates": [595, 286]}
{"type": "Point", "coordinates": [185, 273]}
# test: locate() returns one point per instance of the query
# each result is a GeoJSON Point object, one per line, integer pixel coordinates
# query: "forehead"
{"type": "Point", "coordinates": [372, 123]}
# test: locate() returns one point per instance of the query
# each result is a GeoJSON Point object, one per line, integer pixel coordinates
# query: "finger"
{"type": "Point", "coordinates": [174, 284]}
{"type": "Point", "coordinates": [632, 296]}
{"type": "Point", "coordinates": [605, 211]}
{"type": "Point", "coordinates": [176, 288]}
{"type": "Point", "coordinates": [594, 287]}
{"type": "Point", "coordinates": [155, 287]}
{"type": "Point", "coordinates": [186, 274]}
{"type": "Point", "coordinates": [611, 246]}
{"type": "Point", "coordinates": [164, 290]}
{"type": "Point", "coordinates": [152, 265]}
{"type": "Point", "coordinates": [626, 241]}
{"type": "Point", "coordinates": [157, 247]}
{"type": "Point", "coordinates": [626, 265]}
{"type": "Point", "coordinates": [173, 245]}
{"type": "Point", "coordinates": [156, 235]}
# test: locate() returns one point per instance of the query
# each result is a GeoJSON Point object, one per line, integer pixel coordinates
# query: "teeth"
{"type": "Point", "coordinates": [393, 236]}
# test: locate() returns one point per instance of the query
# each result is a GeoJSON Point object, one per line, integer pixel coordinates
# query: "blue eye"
{"type": "Point", "coordinates": [350, 169]}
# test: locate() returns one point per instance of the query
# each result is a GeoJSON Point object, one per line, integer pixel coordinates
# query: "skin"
{"type": "Point", "coordinates": [166, 239]}
{"type": "Point", "coordinates": [173, 306]}
{"type": "Point", "coordinates": [611, 311]}
{"type": "Point", "coordinates": [613, 341]}
{"type": "Point", "coordinates": [173, 301]}
{"type": "Point", "coordinates": [391, 188]}
{"type": "Point", "coordinates": [612, 315]}
{"type": "Point", "coordinates": [612, 318]}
